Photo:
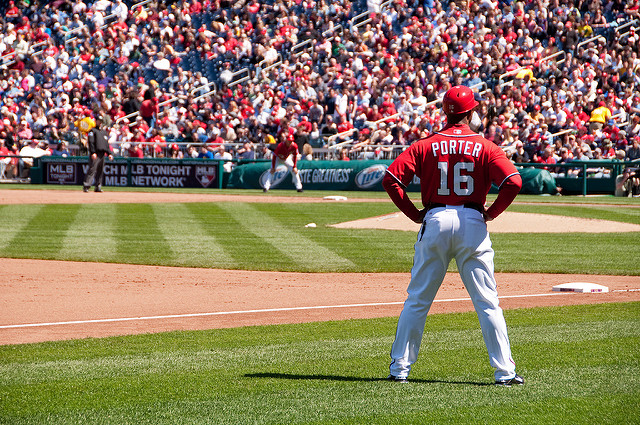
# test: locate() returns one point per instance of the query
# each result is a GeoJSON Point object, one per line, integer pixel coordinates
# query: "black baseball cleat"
{"type": "Point", "coordinates": [300, 190]}
{"type": "Point", "coordinates": [98, 190]}
{"type": "Point", "coordinates": [85, 189]}
{"type": "Point", "coordinates": [516, 380]}
{"type": "Point", "coordinates": [265, 190]}
{"type": "Point", "coordinates": [397, 379]}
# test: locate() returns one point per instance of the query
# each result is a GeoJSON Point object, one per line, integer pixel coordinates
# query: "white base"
{"type": "Point", "coordinates": [335, 198]}
{"type": "Point", "coordinates": [580, 287]}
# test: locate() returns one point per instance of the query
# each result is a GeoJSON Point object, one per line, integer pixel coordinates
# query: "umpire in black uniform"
{"type": "Point", "coordinates": [98, 147]}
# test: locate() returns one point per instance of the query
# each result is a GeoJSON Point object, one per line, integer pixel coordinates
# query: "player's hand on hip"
{"type": "Point", "coordinates": [272, 171]}
{"type": "Point", "coordinates": [487, 217]}
{"type": "Point", "coordinates": [421, 215]}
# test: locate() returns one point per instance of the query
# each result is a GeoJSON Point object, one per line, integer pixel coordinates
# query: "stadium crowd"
{"type": "Point", "coordinates": [561, 78]}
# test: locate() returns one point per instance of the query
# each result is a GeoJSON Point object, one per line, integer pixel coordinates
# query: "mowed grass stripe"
{"type": "Point", "coordinates": [389, 247]}
{"type": "Point", "coordinates": [621, 213]}
{"type": "Point", "coordinates": [91, 236]}
{"type": "Point", "coordinates": [43, 235]}
{"type": "Point", "coordinates": [188, 238]}
{"type": "Point", "coordinates": [566, 253]}
{"type": "Point", "coordinates": [306, 253]}
{"type": "Point", "coordinates": [138, 238]}
{"type": "Point", "coordinates": [13, 219]}
{"type": "Point", "coordinates": [240, 247]}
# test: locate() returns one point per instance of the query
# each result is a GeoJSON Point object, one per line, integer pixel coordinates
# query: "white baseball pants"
{"type": "Point", "coordinates": [294, 176]}
{"type": "Point", "coordinates": [460, 233]}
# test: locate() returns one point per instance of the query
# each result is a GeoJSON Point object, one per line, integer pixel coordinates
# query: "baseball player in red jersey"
{"type": "Point", "coordinates": [285, 153]}
{"type": "Point", "coordinates": [456, 167]}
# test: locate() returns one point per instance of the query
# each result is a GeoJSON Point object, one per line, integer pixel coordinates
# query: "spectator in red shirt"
{"type": "Point", "coordinates": [135, 151]}
{"type": "Point", "coordinates": [149, 110]}
{"type": "Point", "coordinates": [547, 157]}
{"type": "Point", "coordinates": [157, 143]}
{"type": "Point", "coordinates": [374, 114]}
{"type": "Point", "coordinates": [13, 14]}
{"type": "Point", "coordinates": [343, 124]}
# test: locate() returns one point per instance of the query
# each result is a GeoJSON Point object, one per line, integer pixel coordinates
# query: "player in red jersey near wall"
{"type": "Point", "coordinates": [456, 167]}
{"type": "Point", "coordinates": [286, 152]}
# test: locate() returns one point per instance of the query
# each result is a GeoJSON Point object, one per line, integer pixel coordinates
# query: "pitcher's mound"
{"type": "Point", "coordinates": [507, 222]}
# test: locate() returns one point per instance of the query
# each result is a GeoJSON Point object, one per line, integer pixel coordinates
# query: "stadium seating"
{"type": "Point", "coordinates": [409, 45]}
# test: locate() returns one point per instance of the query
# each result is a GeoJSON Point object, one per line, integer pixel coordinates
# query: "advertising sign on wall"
{"type": "Point", "coordinates": [139, 173]}
{"type": "Point", "coordinates": [318, 175]}
{"type": "Point", "coordinates": [363, 175]}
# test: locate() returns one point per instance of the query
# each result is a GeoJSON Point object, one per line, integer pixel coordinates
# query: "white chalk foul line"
{"type": "Point", "coordinates": [265, 310]}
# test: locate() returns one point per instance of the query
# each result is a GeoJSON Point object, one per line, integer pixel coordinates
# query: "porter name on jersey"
{"type": "Point", "coordinates": [456, 147]}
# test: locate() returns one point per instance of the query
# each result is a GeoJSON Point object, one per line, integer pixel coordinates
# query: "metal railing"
{"type": "Point", "coordinates": [213, 83]}
{"type": "Point", "coordinates": [73, 31]}
{"type": "Point", "coordinates": [626, 25]}
{"type": "Point", "coordinates": [372, 124]}
{"type": "Point", "coordinates": [2, 58]}
{"type": "Point", "coordinates": [627, 34]}
{"type": "Point", "coordinates": [600, 172]}
{"type": "Point", "coordinates": [502, 83]}
{"type": "Point", "coordinates": [560, 53]}
{"type": "Point", "coordinates": [589, 40]}
{"type": "Point", "coordinates": [106, 18]}
{"type": "Point", "coordinates": [515, 72]}
{"type": "Point", "coordinates": [31, 52]}
{"type": "Point", "coordinates": [299, 46]}
{"type": "Point", "coordinates": [480, 84]}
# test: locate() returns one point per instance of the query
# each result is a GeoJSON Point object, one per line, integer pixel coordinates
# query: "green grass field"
{"type": "Point", "coordinates": [582, 363]}
{"type": "Point", "coordinates": [264, 236]}
{"type": "Point", "coordinates": [582, 366]}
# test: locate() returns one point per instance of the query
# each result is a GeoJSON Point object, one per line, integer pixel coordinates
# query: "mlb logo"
{"type": "Point", "coordinates": [205, 174]}
{"type": "Point", "coordinates": [457, 131]}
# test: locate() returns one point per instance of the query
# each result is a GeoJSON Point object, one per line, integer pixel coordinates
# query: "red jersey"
{"type": "Point", "coordinates": [283, 151]}
{"type": "Point", "coordinates": [456, 166]}
{"type": "Point", "coordinates": [149, 107]}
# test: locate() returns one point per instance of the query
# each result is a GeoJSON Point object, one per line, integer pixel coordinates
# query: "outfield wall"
{"type": "Point", "coordinates": [362, 175]}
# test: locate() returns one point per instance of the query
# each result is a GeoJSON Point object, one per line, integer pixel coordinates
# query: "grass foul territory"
{"type": "Point", "coordinates": [264, 236]}
{"type": "Point", "coordinates": [581, 364]}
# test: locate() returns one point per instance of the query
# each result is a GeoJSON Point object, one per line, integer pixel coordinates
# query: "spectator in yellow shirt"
{"type": "Point", "coordinates": [599, 117]}
{"type": "Point", "coordinates": [84, 126]}
{"type": "Point", "coordinates": [525, 75]}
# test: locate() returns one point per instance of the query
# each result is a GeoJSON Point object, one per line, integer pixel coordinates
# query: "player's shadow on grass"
{"type": "Point", "coordinates": [294, 376]}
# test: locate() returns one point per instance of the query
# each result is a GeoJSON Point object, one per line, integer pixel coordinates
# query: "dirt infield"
{"type": "Point", "coordinates": [54, 300]}
{"type": "Point", "coordinates": [508, 222]}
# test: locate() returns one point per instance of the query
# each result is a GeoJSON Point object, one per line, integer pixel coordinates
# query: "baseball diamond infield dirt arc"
{"type": "Point", "coordinates": [121, 299]}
